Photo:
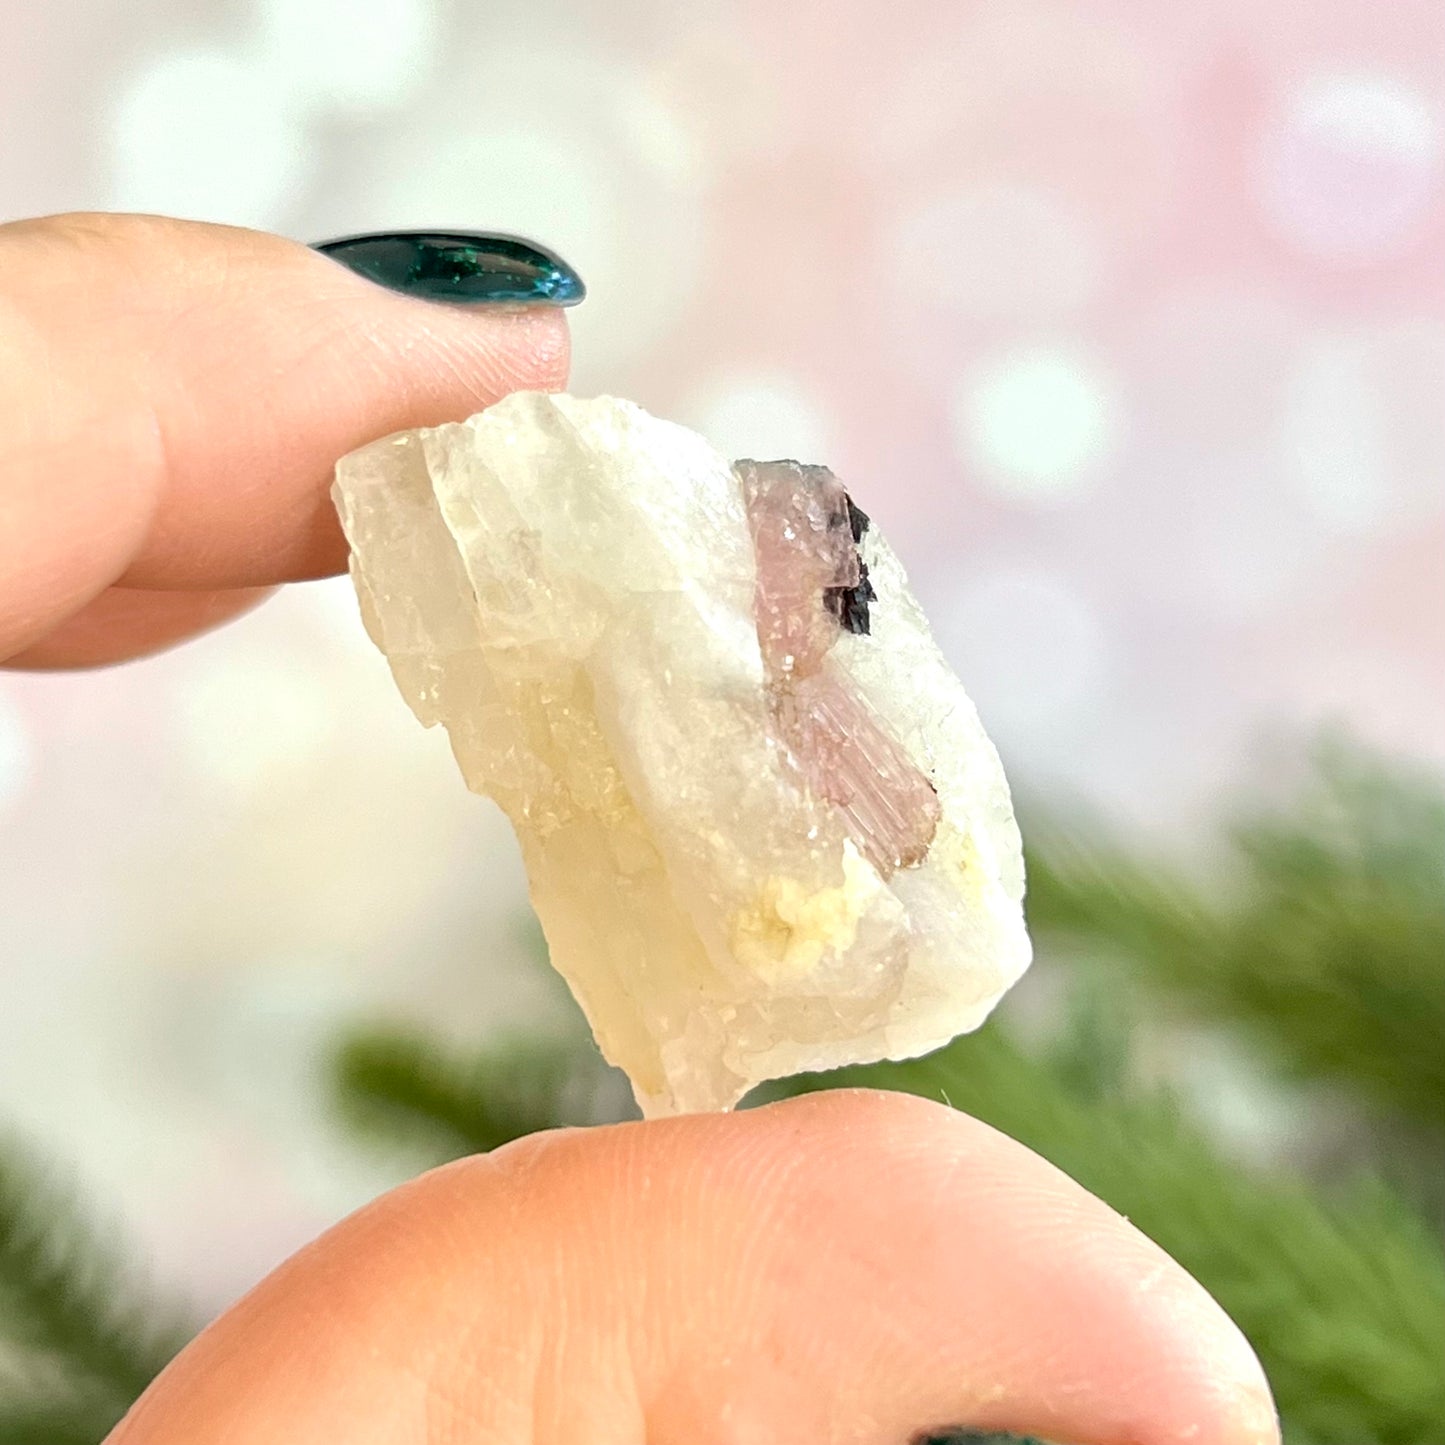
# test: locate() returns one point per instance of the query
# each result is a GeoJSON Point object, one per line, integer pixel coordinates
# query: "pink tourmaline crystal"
{"type": "Point", "coordinates": [810, 580]}
{"type": "Point", "coordinates": [798, 517]}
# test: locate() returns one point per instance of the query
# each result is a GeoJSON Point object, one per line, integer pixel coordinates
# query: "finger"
{"type": "Point", "coordinates": [125, 622]}
{"type": "Point", "coordinates": [176, 395]}
{"type": "Point", "coordinates": [848, 1268]}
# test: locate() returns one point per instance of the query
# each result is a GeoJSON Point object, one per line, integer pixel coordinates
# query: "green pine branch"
{"type": "Point", "coordinates": [1329, 948]}
{"type": "Point", "coordinates": [69, 1420]}
{"type": "Point", "coordinates": [401, 1086]}
{"type": "Point", "coordinates": [69, 1309]}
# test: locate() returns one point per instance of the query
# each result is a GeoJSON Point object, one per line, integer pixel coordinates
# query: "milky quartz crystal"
{"type": "Point", "coordinates": [763, 827]}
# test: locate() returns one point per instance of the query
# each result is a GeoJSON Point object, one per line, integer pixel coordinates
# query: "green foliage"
{"type": "Point", "coordinates": [399, 1086]}
{"type": "Point", "coordinates": [81, 1341]}
{"type": "Point", "coordinates": [1329, 949]}
{"type": "Point", "coordinates": [69, 1419]}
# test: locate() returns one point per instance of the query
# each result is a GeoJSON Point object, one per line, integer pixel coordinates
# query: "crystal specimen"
{"type": "Point", "coordinates": [763, 827]}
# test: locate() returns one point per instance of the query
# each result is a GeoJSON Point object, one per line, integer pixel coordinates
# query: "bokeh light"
{"type": "Point", "coordinates": [208, 134]}
{"type": "Point", "coordinates": [1038, 423]}
{"type": "Point", "coordinates": [352, 55]}
{"type": "Point", "coordinates": [1335, 437]}
{"type": "Point", "coordinates": [761, 415]}
{"type": "Point", "coordinates": [1350, 164]}
{"type": "Point", "coordinates": [995, 251]}
{"type": "Point", "coordinates": [17, 751]}
{"type": "Point", "coordinates": [1362, 430]}
{"type": "Point", "coordinates": [250, 721]}
{"type": "Point", "coordinates": [1036, 653]}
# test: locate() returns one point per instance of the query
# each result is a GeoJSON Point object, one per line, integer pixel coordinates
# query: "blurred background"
{"type": "Point", "coordinates": [1125, 320]}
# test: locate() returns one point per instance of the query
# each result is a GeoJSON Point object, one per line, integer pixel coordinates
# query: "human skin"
{"type": "Point", "coordinates": [850, 1268]}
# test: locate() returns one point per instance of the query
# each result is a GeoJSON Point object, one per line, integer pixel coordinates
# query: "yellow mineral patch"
{"type": "Point", "coordinates": [957, 851]}
{"type": "Point", "coordinates": [790, 928]}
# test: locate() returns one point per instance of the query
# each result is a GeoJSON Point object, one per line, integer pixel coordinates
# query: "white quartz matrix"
{"type": "Point", "coordinates": [571, 588]}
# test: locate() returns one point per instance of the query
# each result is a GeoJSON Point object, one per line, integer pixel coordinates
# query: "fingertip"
{"type": "Point", "coordinates": [247, 498]}
{"type": "Point", "coordinates": [963, 1278]}
{"type": "Point", "coordinates": [852, 1266]}
{"type": "Point", "coordinates": [123, 624]}
{"type": "Point", "coordinates": [969, 1282]}
{"type": "Point", "coordinates": [195, 385]}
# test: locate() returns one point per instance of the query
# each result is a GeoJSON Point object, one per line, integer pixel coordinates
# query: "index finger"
{"type": "Point", "coordinates": [177, 395]}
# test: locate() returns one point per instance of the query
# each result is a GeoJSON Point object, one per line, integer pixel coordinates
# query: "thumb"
{"type": "Point", "coordinates": [842, 1269]}
{"type": "Point", "coordinates": [176, 396]}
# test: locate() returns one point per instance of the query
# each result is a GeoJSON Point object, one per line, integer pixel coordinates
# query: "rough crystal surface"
{"type": "Point", "coordinates": [763, 827]}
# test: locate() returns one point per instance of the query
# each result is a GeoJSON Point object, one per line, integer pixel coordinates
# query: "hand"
{"type": "Point", "coordinates": [852, 1268]}
{"type": "Point", "coordinates": [175, 398]}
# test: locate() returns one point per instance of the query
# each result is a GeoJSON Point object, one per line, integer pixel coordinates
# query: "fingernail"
{"type": "Point", "coordinates": [975, 1437]}
{"type": "Point", "coordinates": [459, 266]}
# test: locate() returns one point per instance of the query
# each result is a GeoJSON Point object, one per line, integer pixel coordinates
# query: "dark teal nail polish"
{"type": "Point", "coordinates": [975, 1437]}
{"type": "Point", "coordinates": [459, 266]}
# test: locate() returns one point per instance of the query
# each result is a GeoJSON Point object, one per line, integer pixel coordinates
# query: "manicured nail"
{"type": "Point", "coordinates": [459, 266]}
{"type": "Point", "coordinates": [975, 1437]}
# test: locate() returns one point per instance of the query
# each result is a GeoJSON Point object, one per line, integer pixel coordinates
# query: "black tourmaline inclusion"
{"type": "Point", "coordinates": [850, 604]}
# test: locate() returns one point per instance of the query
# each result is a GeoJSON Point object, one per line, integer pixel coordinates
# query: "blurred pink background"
{"type": "Point", "coordinates": [1127, 322]}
